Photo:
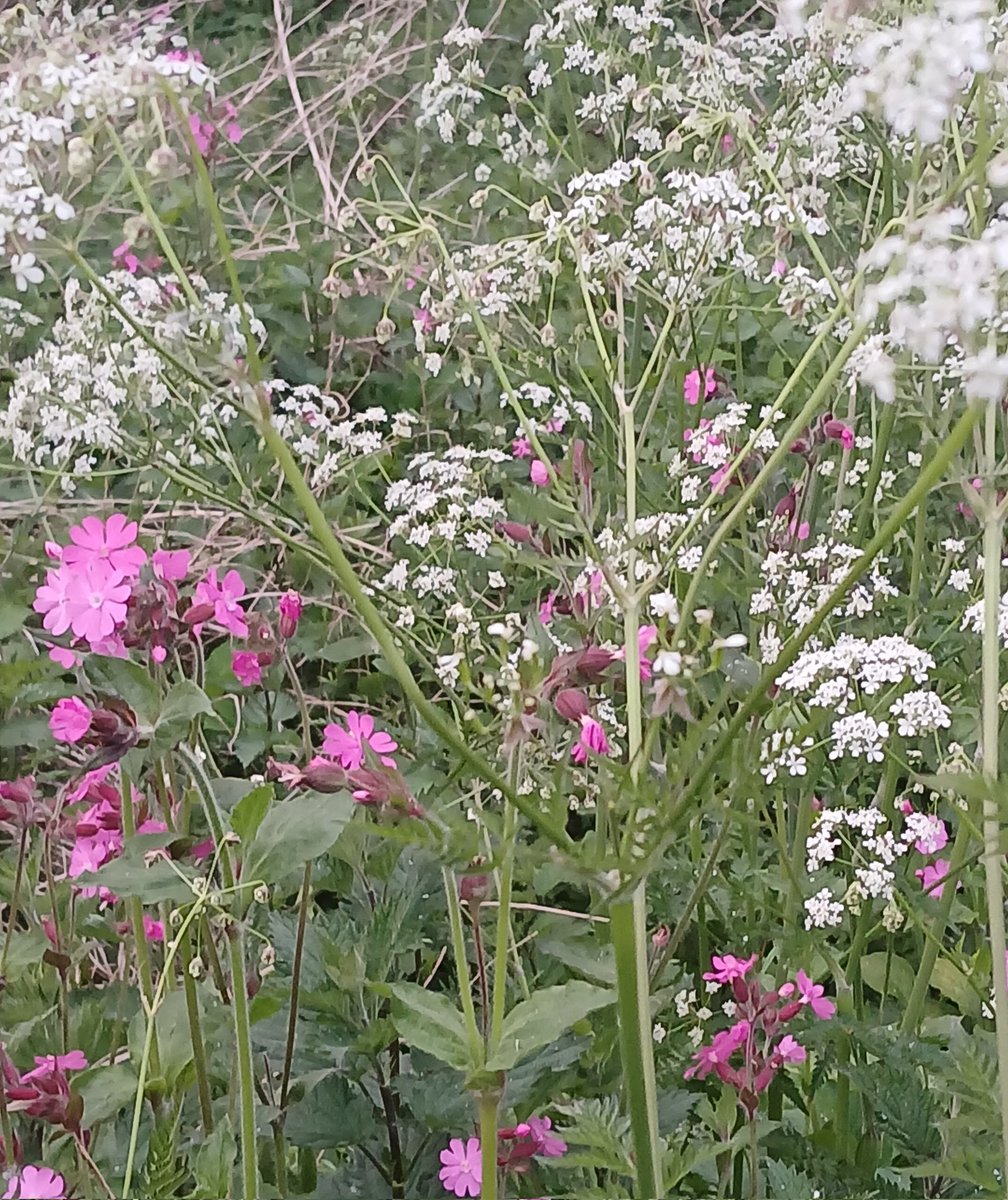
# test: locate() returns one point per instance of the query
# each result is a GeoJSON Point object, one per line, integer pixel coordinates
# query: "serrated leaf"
{"type": "Point", "coordinates": [431, 1023]}
{"type": "Point", "coordinates": [542, 1018]}
{"type": "Point", "coordinates": [185, 701]}
{"type": "Point", "coordinates": [294, 832]}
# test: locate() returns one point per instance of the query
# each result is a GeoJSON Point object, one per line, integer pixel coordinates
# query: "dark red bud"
{"type": "Point", "coordinates": [198, 613]}
{"type": "Point", "coordinates": [522, 534]}
{"type": "Point", "coordinates": [321, 775]}
{"type": "Point", "coordinates": [571, 703]}
{"type": "Point", "coordinates": [474, 889]}
{"type": "Point", "coordinates": [789, 1011]}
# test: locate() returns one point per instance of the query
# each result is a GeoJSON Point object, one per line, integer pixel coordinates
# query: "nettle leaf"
{"type": "Point", "coordinates": [431, 1023]}
{"type": "Point", "coordinates": [294, 832]}
{"type": "Point", "coordinates": [181, 706]}
{"type": "Point", "coordinates": [542, 1018]}
{"type": "Point", "coordinates": [130, 875]}
{"type": "Point", "coordinates": [332, 1114]}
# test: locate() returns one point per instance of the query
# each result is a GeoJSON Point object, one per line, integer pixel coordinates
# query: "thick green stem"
{"type": "Point", "coordinates": [134, 909]}
{"type": "Point", "coordinates": [476, 1045]}
{"type": "Point", "coordinates": [504, 886]}
{"type": "Point", "coordinates": [628, 929]}
{"type": "Point", "coordinates": [243, 1048]}
{"type": "Point", "coordinates": [488, 1105]}
{"type": "Point", "coordinates": [991, 680]}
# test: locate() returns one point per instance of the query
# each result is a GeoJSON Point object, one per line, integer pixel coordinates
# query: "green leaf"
{"type": "Point", "coordinates": [127, 681]}
{"type": "Point", "coordinates": [173, 1037]}
{"type": "Point", "coordinates": [542, 1018]}
{"type": "Point", "coordinates": [954, 985]}
{"type": "Point", "coordinates": [213, 1163]}
{"type": "Point", "coordinates": [294, 832]}
{"type": "Point", "coordinates": [250, 810]}
{"type": "Point", "coordinates": [431, 1023]}
{"type": "Point", "coordinates": [332, 1114]}
{"type": "Point", "coordinates": [360, 645]}
{"type": "Point", "coordinates": [899, 980]}
{"type": "Point", "coordinates": [12, 618]}
{"type": "Point", "coordinates": [107, 1091]}
{"type": "Point", "coordinates": [185, 701]}
{"type": "Point", "coordinates": [129, 875]}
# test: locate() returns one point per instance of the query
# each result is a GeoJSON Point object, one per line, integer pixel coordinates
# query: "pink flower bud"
{"type": "Point", "coordinates": [290, 606]}
{"type": "Point", "coordinates": [571, 704]}
{"type": "Point", "coordinates": [522, 534]}
{"type": "Point", "coordinates": [539, 473]}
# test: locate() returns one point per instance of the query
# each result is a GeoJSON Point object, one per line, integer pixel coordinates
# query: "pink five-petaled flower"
{"type": "Point", "coordinates": [538, 473]}
{"type": "Point", "coordinates": [36, 1183]}
{"type": "Point", "coordinates": [349, 745]}
{"type": "Point", "coordinates": [691, 385]}
{"type": "Point", "coordinates": [814, 995]}
{"type": "Point", "coordinates": [110, 541]}
{"type": "Point", "coordinates": [290, 606]}
{"type": "Point", "coordinates": [153, 930]}
{"type": "Point", "coordinates": [646, 635]}
{"type": "Point", "coordinates": [592, 740]}
{"type": "Point", "coordinates": [723, 1046]}
{"type": "Point", "coordinates": [69, 720]}
{"type": "Point", "coordinates": [246, 667]}
{"type": "Point", "coordinates": [727, 967]}
{"type": "Point", "coordinates": [224, 597]}
{"type": "Point", "coordinates": [521, 447]}
{"type": "Point", "coordinates": [932, 876]}
{"type": "Point", "coordinates": [461, 1168]}
{"type": "Point", "coordinates": [789, 1050]}
{"type": "Point", "coordinates": [547, 1144]}
{"type": "Point", "coordinates": [96, 597]}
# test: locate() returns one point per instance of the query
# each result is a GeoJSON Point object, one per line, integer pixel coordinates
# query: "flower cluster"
{"type": "Point", "coordinates": [461, 1165]}
{"type": "Point", "coordinates": [758, 1034]}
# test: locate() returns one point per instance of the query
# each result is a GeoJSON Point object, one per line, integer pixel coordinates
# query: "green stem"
{"type": "Point", "coordinates": [628, 930]}
{"type": "Point", "coordinates": [476, 1045]}
{"type": "Point", "coordinates": [134, 909]}
{"type": "Point", "coordinates": [243, 1047]}
{"type": "Point", "coordinates": [196, 1033]}
{"type": "Point", "coordinates": [867, 503]}
{"type": "Point", "coordinates": [991, 712]}
{"type": "Point", "coordinates": [488, 1105]}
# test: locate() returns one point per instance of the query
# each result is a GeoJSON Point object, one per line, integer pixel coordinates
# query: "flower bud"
{"type": "Point", "coordinates": [522, 534]}
{"type": "Point", "coordinates": [384, 330]}
{"type": "Point", "coordinates": [571, 703]}
{"type": "Point", "coordinates": [290, 607]}
{"type": "Point", "coordinates": [474, 889]}
{"type": "Point", "coordinates": [660, 937]}
{"type": "Point", "coordinates": [80, 157]}
{"type": "Point", "coordinates": [162, 164]}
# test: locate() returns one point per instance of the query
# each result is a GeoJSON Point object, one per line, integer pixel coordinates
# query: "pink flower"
{"type": "Point", "coordinates": [153, 930]}
{"type": "Point", "coordinates": [202, 132]}
{"type": "Point", "coordinates": [51, 600]}
{"type": "Point", "coordinates": [727, 967]}
{"type": "Point", "coordinates": [592, 740]}
{"type": "Point", "coordinates": [349, 745]}
{"type": "Point", "coordinates": [645, 636]}
{"type": "Point", "coordinates": [931, 876]}
{"type": "Point", "coordinates": [788, 1050]}
{"type": "Point", "coordinates": [422, 320]}
{"type": "Point", "coordinates": [224, 597]}
{"type": "Point", "coordinates": [521, 447]}
{"type": "Point", "coordinates": [779, 268]}
{"type": "Point", "coordinates": [123, 257]}
{"type": "Point", "coordinates": [36, 1183]}
{"type": "Point", "coordinates": [245, 664]}
{"type": "Point", "coordinates": [722, 1047]}
{"type": "Point", "coordinates": [546, 608]}
{"type": "Point", "coordinates": [96, 599]}
{"type": "Point", "coordinates": [691, 385]}
{"type": "Point", "coordinates": [461, 1168]}
{"type": "Point", "coordinates": [110, 541]}
{"type": "Point", "coordinates": [232, 130]}
{"type": "Point", "coordinates": [171, 565]}
{"type": "Point", "coordinates": [547, 1144]}
{"type": "Point", "coordinates": [934, 838]}
{"type": "Point", "coordinates": [839, 431]}
{"type": "Point", "coordinates": [290, 606]}
{"type": "Point", "coordinates": [70, 720]}
{"type": "Point", "coordinates": [814, 995]}
{"type": "Point", "coordinates": [64, 657]}
{"type": "Point", "coordinates": [538, 473]}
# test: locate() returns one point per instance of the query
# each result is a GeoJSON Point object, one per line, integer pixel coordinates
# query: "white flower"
{"type": "Point", "coordinates": [25, 271]}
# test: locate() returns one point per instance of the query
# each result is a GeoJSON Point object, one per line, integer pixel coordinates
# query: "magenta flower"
{"type": "Point", "coordinates": [461, 1169]}
{"type": "Point", "coordinates": [723, 1045]}
{"type": "Point", "coordinates": [779, 268]}
{"type": "Point", "coordinates": [153, 930]}
{"type": "Point", "coordinates": [123, 256]}
{"type": "Point", "coordinates": [790, 1051]}
{"type": "Point", "coordinates": [538, 473]}
{"type": "Point", "coordinates": [931, 876]}
{"type": "Point", "coordinates": [349, 745]}
{"type": "Point", "coordinates": [171, 565]}
{"type": "Point", "coordinates": [934, 838]}
{"type": "Point", "coordinates": [592, 740]}
{"type": "Point", "coordinates": [96, 598]}
{"type": "Point", "coordinates": [727, 967]}
{"type": "Point", "coordinates": [70, 720]}
{"type": "Point", "coordinates": [36, 1183]}
{"type": "Point", "coordinates": [547, 1143]}
{"type": "Point", "coordinates": [839, 431]}
{"type": "Point", "coordinates": [51, 600]}
{"type": "Point", "coordinates": [290, 606]}
{"type": "Point", "coordinates": [423, 320]}
{"type": "Point", "coordinates": [691, 385]}
{"type": "Point", "coordinates": [814, 995]}
{"type": "Point", "coordinates": [64, 657]}
{"type": "Point", "coordinates": [223, 597]}
{"type": "Point", "coordinates": [246, 667]}
{"type": "Point", "coordinates": [110, 542]}
{"type": "Point", "coordinates": [546, 608]}
{"type": "Point", "coordinates": [521, 447]}
{"type": "Point", "coordinates": [646, 635]}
